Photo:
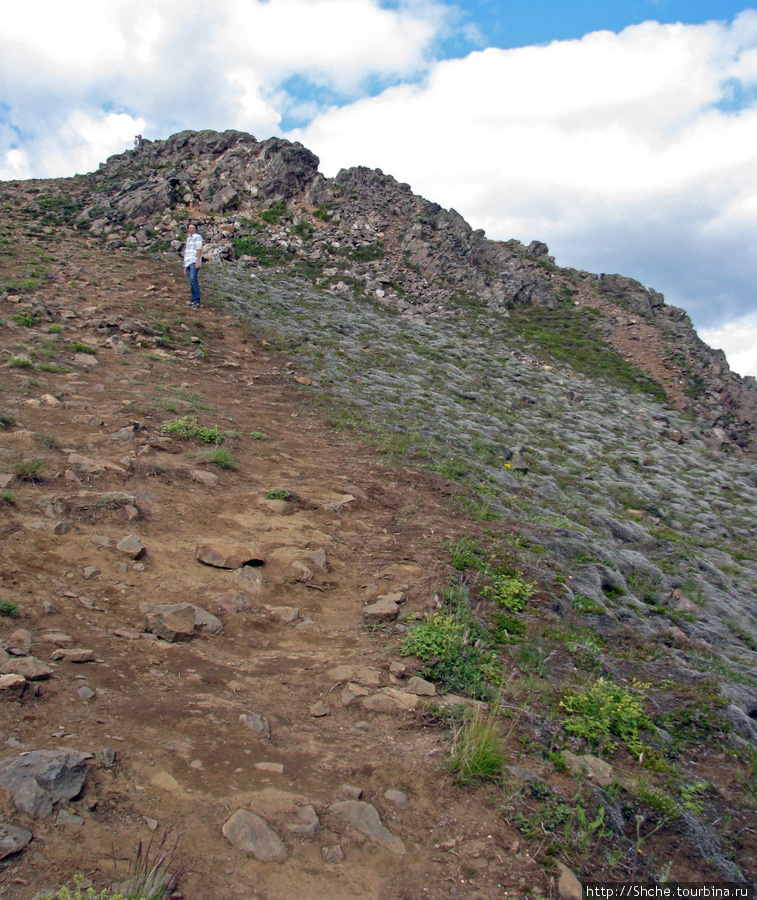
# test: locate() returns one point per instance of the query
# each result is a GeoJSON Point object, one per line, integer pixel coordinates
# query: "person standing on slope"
{"type": "Point", "coordinates": [192, 262]}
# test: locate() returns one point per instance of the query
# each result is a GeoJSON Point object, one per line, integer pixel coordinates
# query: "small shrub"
{"type": "Point", "coordinates": [510, 591]}
{"type": "Point", "coordinates": [476, 752]}
{"type": "Point", "coordinates": [279, 494]}
{"type": "Point", "coordinates": [188, 428]}
{"type": "Point", "coordinates": [80, 347]}
{"type": "Point", "coordinates": [29, 469]}
{"type": "Point", "coordinates": [27, 319]}
{"type": "Point", "coordinates": [20, 362]}
{"type": "Point", "coordinates": [258, 436]}
{"type": "Point", "coordinates": [604, 710]}
{"type": "Point", "coordinates": [466, 553]}
{"type": "Point", "coordinates": [55, 328]}
{"type": "Point", "coordinates": [7, 497]}
{"type": "Point", "coordinates": [8, 608]}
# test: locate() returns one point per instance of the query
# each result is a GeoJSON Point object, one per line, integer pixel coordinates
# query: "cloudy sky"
{"type": "Point", "coordinates": [622, 134]}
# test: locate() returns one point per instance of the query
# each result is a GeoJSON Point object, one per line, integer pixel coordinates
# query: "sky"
{"type": "Point", "coordinates": [623, 134]}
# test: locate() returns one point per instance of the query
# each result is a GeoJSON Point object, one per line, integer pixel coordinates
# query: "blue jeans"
{"type": "Point", "coordinates": [194, 284]}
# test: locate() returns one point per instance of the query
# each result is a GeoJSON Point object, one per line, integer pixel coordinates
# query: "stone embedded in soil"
{"type": "Point", "coordinates": [286, 615]}
{"type": "Point", "coordinates": [21, 640]}
{"type": "Point", "coordinates": [170, 621]}
{"type": "Point", "coordinates": [12, 685]}
{"type": "Point", "coordinates": [364, 818]}
{"type": "Point", "coordinates": [79, 655]}
{"type": "Point", "coordinates": [206, 478]}
{"type": "Point", "coordinates": [592, 767]}
{"type": "Point", "coordinates": [229, 555]}
{"type": "Point", "coordinates": [251, 833]}
{"type": "Point", "coordinates": [396, 798]}
{"type": "Point", "coordinates": [359, 674]}
{"type": "Point", "coordinates": [12, 840]}
{"type": "Point", "coordinates": [568, 886]}
{"type": "Point", "coordinates": [333, 854]}
{"type": "Point", "coordinates": [352, 691]}
{"type": "Point", "coordinates": [390, 700]}
{"type": "Point", "coordinates": [384, 610]}
{"type": "Point", "coordinates": [319, 709]}
{"type": "Point", "coordinates": [308, 824]}
{"type": "Point", "coordinates": [420, 687]}
{"type": "Point", "coordinates": [41, 778]}
{"type": "Point", "coordinates": [257, 723]}
{"type": "Point", "coordinates": [131, 546]}
{"type": "Point", "coordinates": [29, 667]}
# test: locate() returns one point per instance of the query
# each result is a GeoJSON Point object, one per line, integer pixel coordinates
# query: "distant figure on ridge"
{"type": "Point", "coordinates": [137, 140]}
{"type": "Point", "coordinates": [192, 262]}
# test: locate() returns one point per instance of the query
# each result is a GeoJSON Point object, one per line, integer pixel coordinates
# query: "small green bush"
{"type": "Point", "coordinates": [27, 319]}
{"type": "Point", "coordinates": [188, 428]}
{"type": "Point", "coordinates": [29, 469]}
{"type": "Point", "coordinates": [510, 591]}
{"type": "Point", "coordinates": [55, 328]}
{"type": "Point", "coordinates": [279, 494]}
{"type": "Point", "coordinates": [80, 347]}
{"type": "Point", "coordinates": [20, 362]}
{"type": "Point", "coordinates": [604, 710]}
{"type": "Point", "coordinates": [8, 608]}
{"type": "Point", "coordinates": [507, 629]}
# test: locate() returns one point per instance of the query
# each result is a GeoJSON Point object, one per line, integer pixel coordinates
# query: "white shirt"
{"type": "Point", "coordinates": [194, 243]}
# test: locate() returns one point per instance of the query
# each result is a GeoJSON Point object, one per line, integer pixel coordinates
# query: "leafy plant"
{"type": "Point", "coordinates": [80, 893]}
{"type": "Point", "coordinates": [188, 428]}
{"type": "Point", "coordinates": [55, 328]}
{"type": "Point", "coordinates": [465, 553]}
{"type": "Point", "coordinates": [603, 711]}
{"type": "Point", "coordinates": [510, 591]}
{"type": "Point", "coordinates": [27, 318]}
{"type": "Point", "coordinates": [20, 362]}
{"type": "Point", "coordinates": [8, 608]}
{"type": "Point", "coordinates": [258, 436]}
{"type": "Point", "coordinates": [507, 629]}
{"type": "Point", "coordinates": [279, 494]}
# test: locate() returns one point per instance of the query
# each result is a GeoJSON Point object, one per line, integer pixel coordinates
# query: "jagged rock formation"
{"type": "Point", "coordinates": [363, 231]}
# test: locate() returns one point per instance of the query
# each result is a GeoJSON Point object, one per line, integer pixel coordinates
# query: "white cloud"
{"type": "Point", "coordinates": [616, 149]}
{"type": "Point", "coordinates": [739, 341]}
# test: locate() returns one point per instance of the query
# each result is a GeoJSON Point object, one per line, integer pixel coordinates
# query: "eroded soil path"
{"type": "Point", "coordinates": [162, 719]}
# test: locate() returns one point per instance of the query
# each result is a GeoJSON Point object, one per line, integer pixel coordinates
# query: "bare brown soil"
{"type": "Point", "coordinates": [171, 712]}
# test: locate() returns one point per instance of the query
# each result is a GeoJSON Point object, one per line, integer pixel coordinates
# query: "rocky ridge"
{"type": "Point", "coordinates": [363, 230]}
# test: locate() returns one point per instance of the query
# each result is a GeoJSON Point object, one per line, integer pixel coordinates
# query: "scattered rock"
{"type": "Point", "coordinates": [170, 621]}
{"type": "Point", "coordinates": [206, 478]}
{"type": "Point", "coordinates": [74, 655]}
{"type": "Point", "coordinates": [359, 674]}
{"type": "Point", "coordinates": [131, 546]}
{"type": "Point", "coordinates": [598, 770]}
{"type": "Point", "coordinates": [351, 791]}
{"type": "Point", "coordinates": [332, 854]}
{"type": "Point", "coordinates": [257, 723]}
{"type": "Point", "coordinates": [12, 840]}
{"type": "Point", "coordinates": [319, 709]}
{"type": "Point", "coordinates": [396, 798]}
{"type": "Point", "coordinates": [308, 824]}
{"type": "Point", "coordinates": [31, 668]}
{"type": "Point", "coordinates": [39, 779]}
{"type": "Point", "coordinates": [252, 834]}
{"type": "Point", "coordinates": [385, 610]}
{"type": "Point", "coordinates": [364, 818]}
{"type": "Point", "coordinates": [390, 700]}
{"type": "Point", "coordinates": [226, 555]}
{"type": "Point", "coordinates": [568, 886]}
{"type": "Point", "coordinates": [12, 685]}
{"type": "Point", "coordinates": [420, 687]}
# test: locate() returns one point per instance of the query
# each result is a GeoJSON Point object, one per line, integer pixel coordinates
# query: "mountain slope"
{"type": "Point", "coordinates": [519, 448]}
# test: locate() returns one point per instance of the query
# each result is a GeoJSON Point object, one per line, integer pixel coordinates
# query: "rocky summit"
{"type": "Point", "coordinates": [409, 565]}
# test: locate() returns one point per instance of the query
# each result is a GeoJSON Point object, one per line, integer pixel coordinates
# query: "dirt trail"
{"type": "Point", "coordinates": [356, 530]}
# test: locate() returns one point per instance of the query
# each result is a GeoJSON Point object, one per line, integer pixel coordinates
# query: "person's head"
{"type": "Point", "coordinates": [191, 228]}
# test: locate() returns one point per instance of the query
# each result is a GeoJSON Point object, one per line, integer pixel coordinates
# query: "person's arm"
{"type": "Point", "coordinates": [199, 254]}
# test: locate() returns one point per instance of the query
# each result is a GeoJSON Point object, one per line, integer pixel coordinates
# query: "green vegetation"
{"type": "Point", "coordinates": [187, 428]}
{"type": "Point", "coordinates": [476, 752]}
{"type": "Point", "coordinates": [266, 254]}
{"type": "Point", "coordinates": [510, 591]}
{"type": "Point", "coordinates": [602, 711]}
{"type": "Point", "coordinates": [279, 494]}
{"type": "Point", "coordinates": [28, 469]}
{"type": "Point", "coordinates": [27, 318]}
{"type": "Point", "coordinates": [20, 362]}
{"type": "Point", "coordinates": [220, 457]}
{"type": "Point", "coordinates": [274, 213]}
{"type": "Point", "coordinates": [8, 608]}
{"type": "Point", "coordinates": [80, 347]}
{"type": "Point", "coordinates": [567, 335]}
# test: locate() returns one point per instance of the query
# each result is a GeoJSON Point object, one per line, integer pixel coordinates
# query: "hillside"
{"type": "Point", "coordinates": [234, 538]}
